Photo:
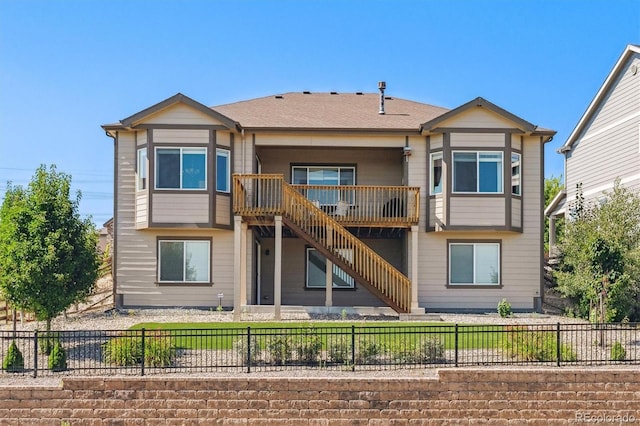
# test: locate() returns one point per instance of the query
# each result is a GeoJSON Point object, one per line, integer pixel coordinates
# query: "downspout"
{"type": "Point", "coordinates": [114, 249]}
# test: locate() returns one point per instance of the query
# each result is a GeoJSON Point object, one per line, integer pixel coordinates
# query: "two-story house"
{"type": "Point", "coordinates": [605, 144]}
{"type": "Point", "coordinates": [328, 201]}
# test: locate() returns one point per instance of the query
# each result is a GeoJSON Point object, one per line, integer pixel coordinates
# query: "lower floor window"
{"type": "Point", "coordinates": [316, 271]}
{"type": "Point", "coordinates": [474, 263]}
{"type": "Point", "coordinates": [184, 261]}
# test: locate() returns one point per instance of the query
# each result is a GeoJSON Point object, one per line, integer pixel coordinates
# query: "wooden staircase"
{"type": "Point", "coordinates": [263, 196]}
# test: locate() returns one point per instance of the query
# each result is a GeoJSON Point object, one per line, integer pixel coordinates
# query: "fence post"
{"type": "Point", "coordinates": [248, 349]}
{"type": "Point", "coordinates": [558, 351]}
{"type": "Point", "coordinates": [456, 345]}
{"type": "Point", "coordinates": [143, 354]}
{"type": "Point", "coordinates": [353, 347]}
{"type": "Point", "coordinates": [35, 353]}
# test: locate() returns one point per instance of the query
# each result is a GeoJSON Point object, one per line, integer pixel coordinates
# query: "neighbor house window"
{"type": "Point", "coordinates": [142, 169]}
{"type": "Point", "coordinates": [474, 263]}
{"type": "Point", "coordinates": [223, 170]}
{"type": "Point", "coordinates": [516, 171]}
{"type": "Point", "coordinates": [436, 173]}
{"type": "Point", "coordinates": [325, 175]}
{"type": "Point", "coordinates": [181, 168]}
{"type": "Point", "coordinates": [316, 271]}
{"type": "Point", "coordinates": [184, 261]}
{"type": "Point", "coordinates": [477, 172]}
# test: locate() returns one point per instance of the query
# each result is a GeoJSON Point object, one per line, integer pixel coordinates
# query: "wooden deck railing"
{"type": "Point", "coordinates": [270, 195]}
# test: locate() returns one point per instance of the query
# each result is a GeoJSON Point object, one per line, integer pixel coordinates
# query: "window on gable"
{"type": "Point", "coordinates": [516, 168]}
{"type": "Point", "coordinates": [316, 271]}
{"type": "Point", "coordinates": [474, 263]}
{"type": "Point", "coordinates": [181, 168]}
{"type": "Point", "coordinates": [184, 261]}
{"type": "Point", "coordinates": [436, 173]}
{"type": "Point", "coordinates": [477, 172]}
{"type": "Point", "coordinates": [223, 170]}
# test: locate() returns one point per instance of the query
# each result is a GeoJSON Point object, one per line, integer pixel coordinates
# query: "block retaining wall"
{"type": "Point", "coordinates": [456, 396]}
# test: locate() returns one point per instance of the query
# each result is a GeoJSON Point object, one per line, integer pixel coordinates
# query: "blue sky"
{"type": "Point", "coordinates": [66, 67]}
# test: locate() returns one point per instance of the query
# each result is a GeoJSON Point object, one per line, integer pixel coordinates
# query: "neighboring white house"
{"type": "Point", "coordinates": [328, 200]}
{"type": "Point", "coordinates": [605, 144]}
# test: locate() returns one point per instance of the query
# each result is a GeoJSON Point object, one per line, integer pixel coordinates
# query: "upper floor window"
{"type": "Point", "coordinates": [477, 172]}
{"type": "Point", "coordinates": [181, 168]}
{"type": "Point", "coordinates": [184, 261]}
{"type": "Point", "coordinates": [223, 170]}
{"type": "Point", "coordinates": [325, 175]}
{"type": "Point", "coordinates": [435, 176]}
{"type": "Point", "coordinates": [516, 170]}
{"type": "Point", "coordinates": [474, 263]}
{"type": "Point", "coordinates": [141, 177]}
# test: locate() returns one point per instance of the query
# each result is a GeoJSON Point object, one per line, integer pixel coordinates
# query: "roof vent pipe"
{"type": "Point", "coordinates": [381, 85]}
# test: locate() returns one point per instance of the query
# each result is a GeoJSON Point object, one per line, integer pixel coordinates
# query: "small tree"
{"type": "Point", "coordinates": [552, 186]}
{"type": "Point", "coordinates": [600, 256]}
{"type": "Point", "coordinates": [48, 255]}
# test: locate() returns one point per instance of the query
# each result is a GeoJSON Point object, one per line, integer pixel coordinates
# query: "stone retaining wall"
{"type": "Point", "coordinates": [456, 396]}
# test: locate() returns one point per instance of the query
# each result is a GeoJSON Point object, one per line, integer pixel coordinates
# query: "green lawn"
{"type": "Point", "coordinates": [221, 335]}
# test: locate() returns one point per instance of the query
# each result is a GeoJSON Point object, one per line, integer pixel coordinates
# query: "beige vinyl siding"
{"type": "Point", "coordinates": [141, 137]}
{"type": "Point", "coordinates": [417, 172]}
{"type": "Point", "coordinates": [223, 204]}
{"type": "Point", "coordinates": [516, 211]}
{"type": "Point", "coordinates": [373, 166]}
{"type": "Point", "coordinates": [301, 140]}
{"type": "Point", "coordinates": [477, 140]}
{"type": "Point", "coordinates": [140, 288]}
{"type": "Point", "coordinates": [435, 142]}
{"type": "Point", "coordinates": [294, 278]}
{"type": "Point", "coordinates": [181, 136]}
{"type": "Point", "coordinates": [180, 114]}
{"type": "Point", "coordinates": [180, 208]}
{"type": "Point", "coordinates": [438, 218]}
{"type": "Point", "coordinates": [516, 142]}
{"type": "Point", "coordinates": [477, 118]}
{"type": "Point", "coordinates": [223, 138]}
{"type": "Point", "coordinates": [243, 156]}
{"type": "Point", "coordinates": [476, 211]}
{"type": "Point", "coordinates": [142, 213]}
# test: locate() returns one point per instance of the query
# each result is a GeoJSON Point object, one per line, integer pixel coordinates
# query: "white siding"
{"type": "Point", "coordinates": [180, 208]}
{"type": "Point", "coordinates": [477, 140]}
{"type": "Point", "coordinates": [181, 136]}
{"type": "Point", "coordinates": [476, 211]}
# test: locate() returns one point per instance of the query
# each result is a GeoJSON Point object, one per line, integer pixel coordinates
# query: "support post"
{"type": "Point", "coordinates": [237, 266]}
{"type": "Point", "coordinates": [277, 270]}
{"type": "Point", "coordinates": [243, 264]}
{"type": "Point", "coordinates": [328, 300]}
{"type": "Point", "coordinates": [413, 268]}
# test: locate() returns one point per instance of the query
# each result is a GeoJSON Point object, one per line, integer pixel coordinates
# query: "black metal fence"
{"type": "Point", "coordinates": [350, 348]}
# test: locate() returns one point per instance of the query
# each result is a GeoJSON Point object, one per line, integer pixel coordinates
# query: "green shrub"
{"type": "Point", "coordinates": [339, 351]}
{"type": "Point", "coordinates": [536, 346]}
{"type": "Point", "coordinates": [240, 347]}
{"type": "Point", "coordinates": [123, 351]}
{"type": "Point", "coordinates": [159, 350]}
{"type": "Point", "coordinates": [309, 347]}
{"type": "Point", "coordinates": [14, 361]}
{"type": "Point", "coordinates": [504, 308]}
{"type": "Point", "coordinates": [618, 353]}
{"type": "Point", "coordinates": [433, 351]}
{"type": "Point", "coordinates": [46, 342]}
{"type": "Point", "coordinates": [57, 357]}
{"type": "Point", "coordinates": [429, 351]}
{"type": "Point", "coordinates": [368, 352]}
{"type": "Point", "coordinates": [280, 350]}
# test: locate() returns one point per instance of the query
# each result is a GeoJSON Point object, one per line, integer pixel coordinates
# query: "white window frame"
{"type": "Point", "coordinates": [433, 157]}
{"type": "Point", "coordinates": [142, 171]}
{"type": "Point", "coordinates": [184, 262]}
{"type": "Point", "coordinates": [181, 149]}
{"type": "Point", "coordinates": [475, 245]}
{"type": "Point", "coordinates": [478, 161]}
{"type": "Point", "coordinates": [336, 270]}
{"type": "Point", "coordinates": [221, 152]}
{"type": "Point", "coordinates": [516, 179]}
